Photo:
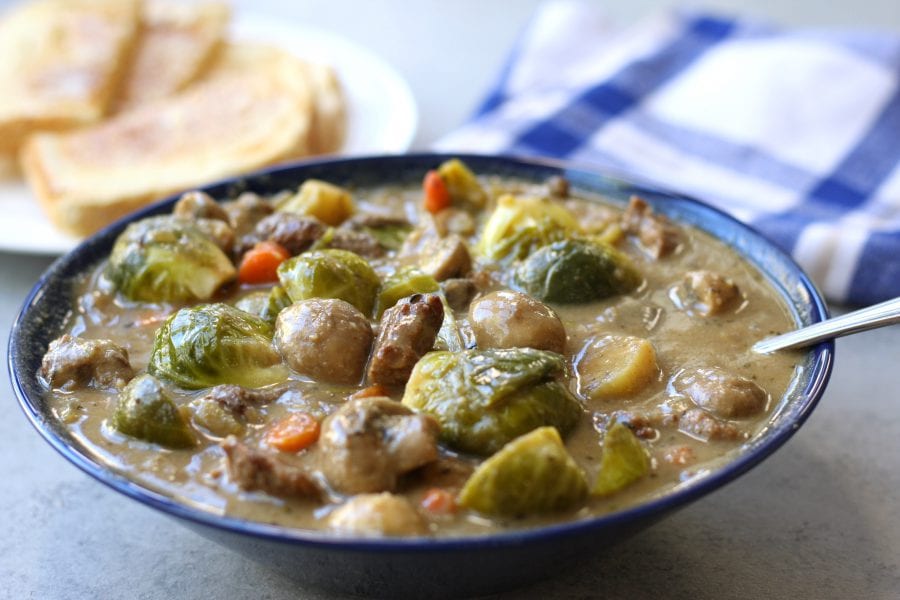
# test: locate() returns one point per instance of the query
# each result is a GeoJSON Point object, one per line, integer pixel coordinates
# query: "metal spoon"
{"type": "Point", "coordinates": [879, 315]}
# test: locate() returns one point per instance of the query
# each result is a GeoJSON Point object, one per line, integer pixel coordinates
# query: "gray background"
{"type": "Point", "coordinates": [819, 519]}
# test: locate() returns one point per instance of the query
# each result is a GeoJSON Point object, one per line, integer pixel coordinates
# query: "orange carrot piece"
{"type": "Point", "coordinates": [437, 196]}
{"type": "Point", "coordinates": [260, 263]}
{"type": "Point", "coordinates": [294, 433]}
{"type": "Point", "coordinates": [439, 502]}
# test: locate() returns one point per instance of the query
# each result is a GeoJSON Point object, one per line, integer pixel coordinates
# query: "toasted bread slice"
{"type": "Point", "coordinates": [329, 126]}
{"type": "Point", "coordinates": [177, 42]}
{"type": "Point", "coordinates": [60, 62]}
{"type": "Point", "coordinates": [9, 167]}
{"type": "Point", "coordinates": [329, 123]}
{"type": "Point", "coordinates": [220, 127]}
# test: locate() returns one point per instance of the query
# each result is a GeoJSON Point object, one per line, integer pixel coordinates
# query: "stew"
{"type": "Point", "coordinates": [459, 357]}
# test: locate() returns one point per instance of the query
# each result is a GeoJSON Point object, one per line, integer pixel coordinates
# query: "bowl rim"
{"type": "Point", "coordinates": [821, 355]}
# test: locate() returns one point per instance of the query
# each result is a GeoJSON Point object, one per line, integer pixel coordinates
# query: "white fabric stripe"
{"type": "Point", "coordinates": [844, 259]}
{"type": "Point", "coordinates": [814, 250]}
{"type": "Point", "coordinates": [554, 54]}
{"type": "Point", "coordinates": [743, 196]}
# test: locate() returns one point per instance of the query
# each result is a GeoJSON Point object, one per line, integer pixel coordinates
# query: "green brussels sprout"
{"type": "Point", "coordinates": [390, 236]}
{"type": "Point", "coordinates": [532, 474]}
{"type": "Point", "coordinates": [624, 461]}
{"type": "Point", "coordinates": [576, 271]}
{"type": "Point", "coordinates": [330, 273]}
{"type": "Point", "coordinates": [164, 259]}
{"type": "Point", "coordinates": [254, 303]}
{"type": "Point", "coordinates": [485, 398]}
{"type": "Point", "coordinates": [210, 344]}
{"type": "Point", "coordinates": [402, 283]}
{"type": "Point", "coordinates": [461, 183]}
{"type": "Point", "coordinates": [520, 225]}
{"type": "Point", "coordinates": [146, 412]}
{"type": "Point", "coordinates": [265, 305]}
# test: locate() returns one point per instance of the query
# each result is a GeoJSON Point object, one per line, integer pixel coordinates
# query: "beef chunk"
{"type": "Point", "coordinates": [445, 258]}
{"type": "Point", "coordinates": [236, 399]}
{"type": "Point", "coordinates": [377, 515]}
{"type": "Point", "coordinates": [701, 425]}
{"type": "Point", "coordinates": [709, 292]}
{"type": "Point", "coordinates": [199, 205]}
{"type": "Point", "coordinates": [245, 212]}
{"type": "Point", "coordinates": [359, 242]}
{"type": "Point", "coordinates": [218, 231]}
{"type": "Point", "coordinates": [72, 363]}
{"type": "Point", "coordinates": [459, 292]}
{"type": "Point", "coordinates": [296, 233]}
{"type": "Point", "coordinates": [557, 186]}
{"type": "Point", "coordinates": [658, 237]}
{"type": "Point", "coordinates": [271, 472]}
{"type": "Point", "coordinates": [362, 221]}
{"type": "Point", "coordinates": [368, 443]}
{"type": "Point", "coordinates": [408, 330]}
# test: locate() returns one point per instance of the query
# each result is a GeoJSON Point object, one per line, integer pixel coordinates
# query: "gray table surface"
{"type": "Point", "coordinates": [819, 519]}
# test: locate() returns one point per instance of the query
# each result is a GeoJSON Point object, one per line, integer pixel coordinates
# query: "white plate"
{"type": "Point", "coordinates": [382, 118]}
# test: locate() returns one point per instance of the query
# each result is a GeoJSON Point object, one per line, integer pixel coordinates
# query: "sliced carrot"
{"type": "Point", "coordinates": [371, 392]}
{"type": "Point", "coordinates": [293, 433]}
{"type": "Point", "coordinates": [260, 263]}
{"type": "Point", "coordinates": [437, 196]}
{"type": "Point", "coordinates": [439, 502]}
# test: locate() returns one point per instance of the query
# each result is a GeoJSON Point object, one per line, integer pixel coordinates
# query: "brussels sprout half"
{"type": "Point", "coordinates": [166, 259]}
{"type": "Point", "coordinates": [330, 273]}
{"type": "Point", "coordinates": [530, 475]}
{"type": "Point", "coordinates": [576, 271]}
{"type": "Point", "coordinates": [624, 461]}
{"type": "Point", "coordinates": [211, 344]}
{"type": "Point", "coordinates": [485, 398]}
{"type": "Point", "coordinates": [520, 225]}
{"type": "Point", "coordinates": [146, 412]}
{"type": "Point", "coordinates": [402, 283]}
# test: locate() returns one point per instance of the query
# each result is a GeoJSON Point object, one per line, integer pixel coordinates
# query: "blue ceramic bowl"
{"type": "Point", "coordinates": [423, 567]}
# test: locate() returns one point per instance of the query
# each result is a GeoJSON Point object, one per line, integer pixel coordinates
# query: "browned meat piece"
{"type": "Point", "coordinates": [444, 258]}
{"type": "Point", "coordinates": [72, 363]}
{"type": "Point", "coordinates": [709, 292]}
{"type": "Point", "coordinates": [356, 241]}
{"type": "Point", "coordinates": [377, 515]}
{"type": "Point", "coordinates": [721, 393]}
{"type": "Point", "coordinates": [218, 231]}
{"type": "Point", "coordinates": [508, 319]}
{"type": "Point", "coordinates": [361, 221]}
{"type": "Point", "coordinates": [656, 234]}
{"type": "Point", "coordinates": [408, 330]}
{"type": "Point", "coordinates": [459, 292]}
{"type": "Point", "coordinates": [368, 443]}
{"type": "Point", "coordinates": [701, 425]}
{"type": "Point", "coordinates": [326, 339]}
{"type": "Point", "coordinates": [446, 472]}
{"type": "Point", "coordinates": [246, 211]}
{"type": "Point", "coordinates": [558, 186]}
{"type": "Point", "coordinates": [199, 205]}
{"type": "Point", "coordinates": [236, 399]}
{"type": "Point", "coordinates": [271, 472]}
{"type": "Point", "coordinates": [296, 233]}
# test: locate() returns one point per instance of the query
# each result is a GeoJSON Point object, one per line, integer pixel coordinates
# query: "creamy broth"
{"type": "Point", "coordinates": [682, 338]}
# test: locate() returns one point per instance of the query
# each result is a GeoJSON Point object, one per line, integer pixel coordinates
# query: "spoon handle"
{"type": "Point", "coordinates": [879, 315]}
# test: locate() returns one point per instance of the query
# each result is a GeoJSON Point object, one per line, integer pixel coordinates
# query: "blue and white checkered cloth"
{"type": "Point", "coordinates": [796, 132]}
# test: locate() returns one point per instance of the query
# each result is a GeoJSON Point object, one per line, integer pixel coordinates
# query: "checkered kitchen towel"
{"type": "Point", "coordinates": [794, 131]}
